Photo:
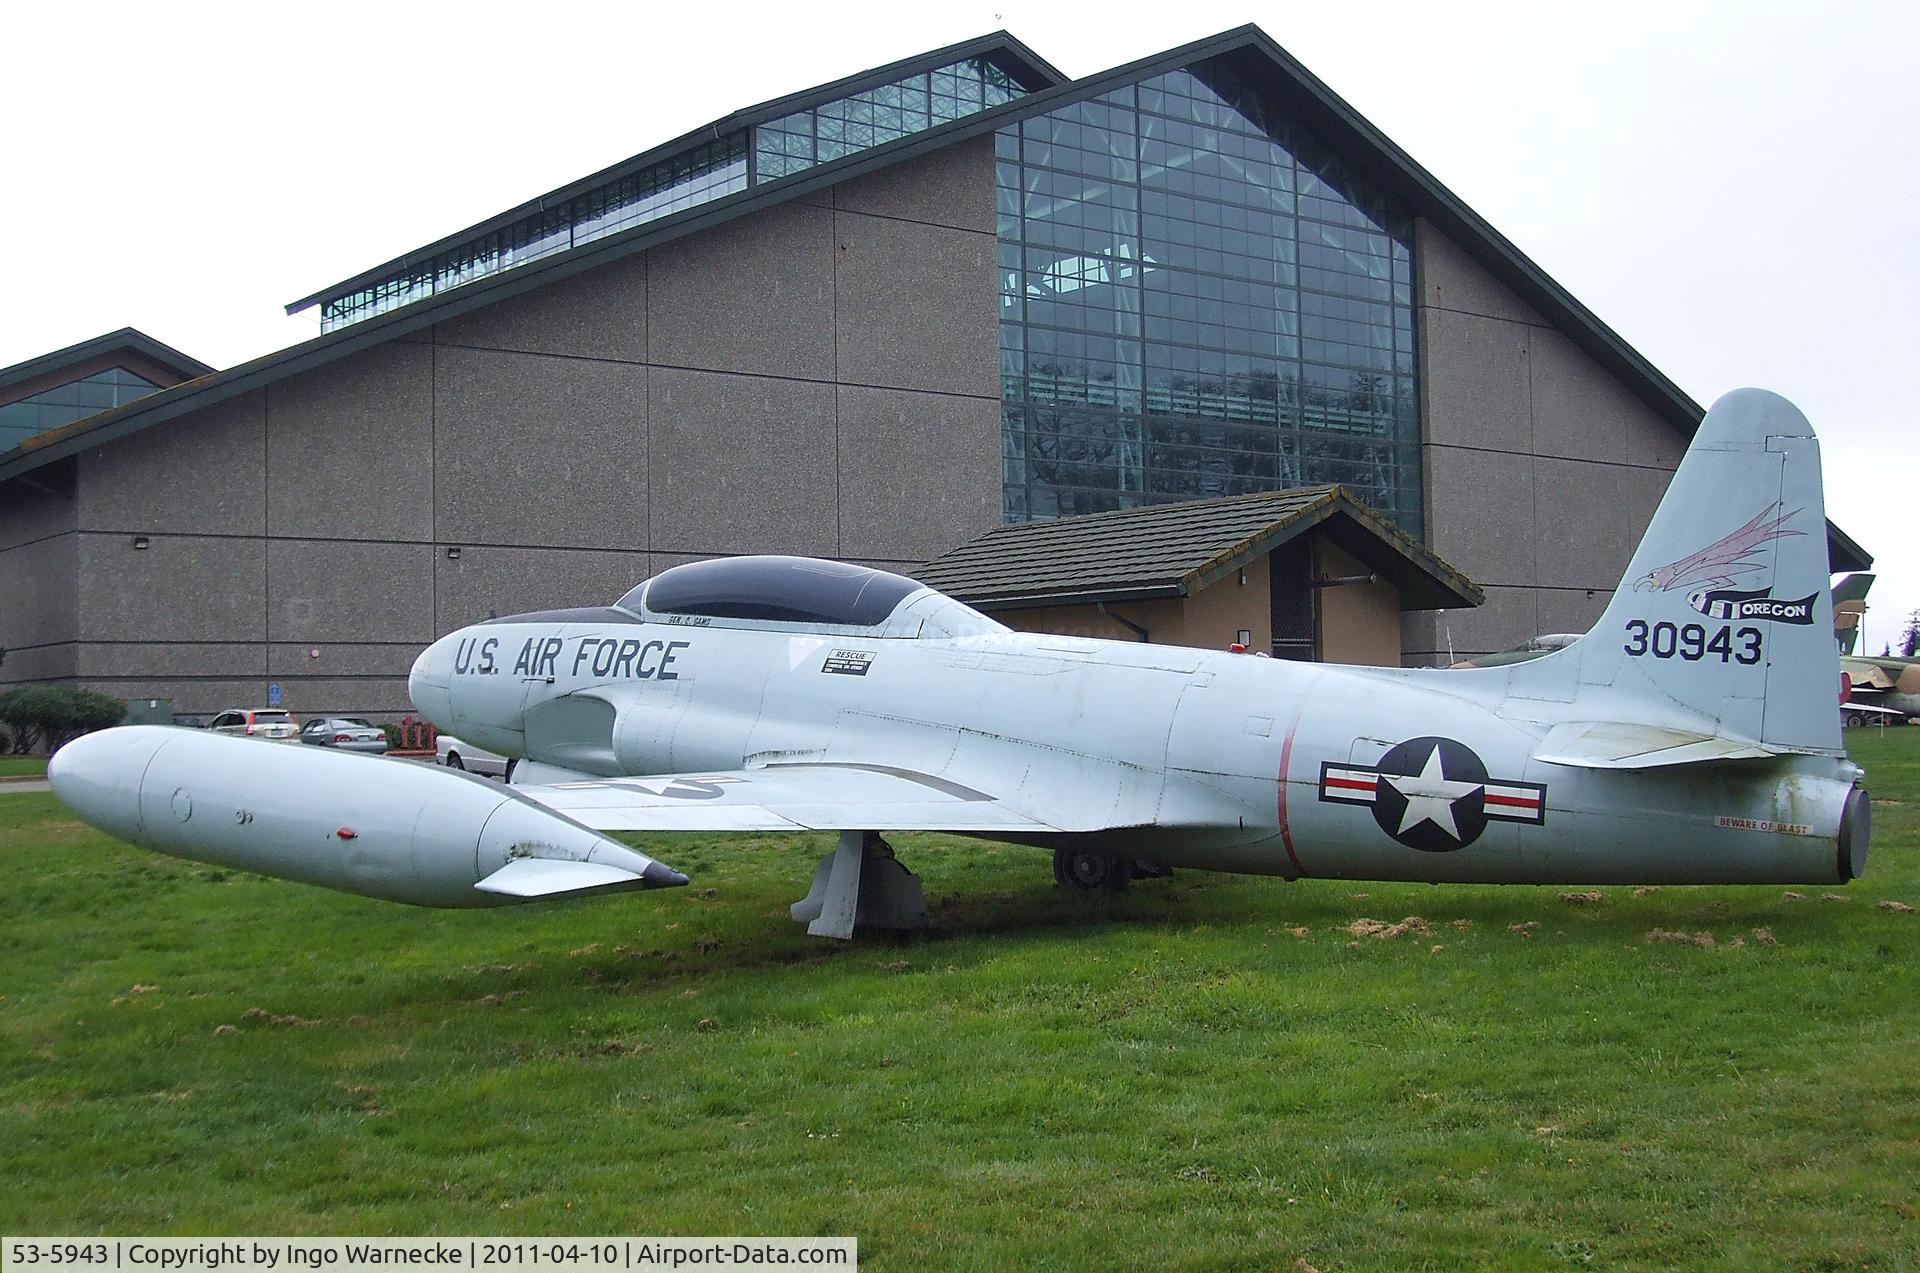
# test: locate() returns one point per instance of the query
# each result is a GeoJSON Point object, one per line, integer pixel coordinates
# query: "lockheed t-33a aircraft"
{"type": "Point", "coordinates": [1693, 736]}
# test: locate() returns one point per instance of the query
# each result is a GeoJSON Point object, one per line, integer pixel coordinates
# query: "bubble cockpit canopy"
{"type": "Point", "coordinates": [802, 592]}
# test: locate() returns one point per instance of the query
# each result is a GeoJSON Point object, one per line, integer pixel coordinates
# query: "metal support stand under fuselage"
{"type": "Point", "coordinates": [861, 884]}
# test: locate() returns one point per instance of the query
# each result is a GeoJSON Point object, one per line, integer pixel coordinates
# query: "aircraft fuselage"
{"type": "Point", "coordinates": [1183, 756]}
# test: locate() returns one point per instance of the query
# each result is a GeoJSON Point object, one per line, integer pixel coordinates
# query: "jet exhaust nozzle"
{"type": "Point", "coordinates": [1856, 830]}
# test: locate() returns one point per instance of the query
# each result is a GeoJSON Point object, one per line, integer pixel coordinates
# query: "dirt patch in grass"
{"type": "Point", "coordinates": [1591, 897]}
{"type": "Point", "coordinates": [1382, 929]}
{"type": "Point", "coordinates": [264, 1017]}
{"type": "Point", "coordinates": [1704, 939]}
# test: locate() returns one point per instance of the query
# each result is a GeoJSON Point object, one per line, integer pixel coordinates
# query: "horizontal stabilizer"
{"type": "Point", "coordinates": [1613, 745]}
{"type": "Point", "coordinates": [554, 877]}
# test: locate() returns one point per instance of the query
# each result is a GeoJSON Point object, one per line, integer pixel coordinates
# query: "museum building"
{"type": "Point", "coordinates": [873, 321]}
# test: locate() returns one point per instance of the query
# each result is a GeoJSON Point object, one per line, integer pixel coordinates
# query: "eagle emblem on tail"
{"type": "Point", "coordinates": [1725, 561]}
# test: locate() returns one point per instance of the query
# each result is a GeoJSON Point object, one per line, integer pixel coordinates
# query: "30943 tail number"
{"type": "Point", "coordinates": [1693, 642]}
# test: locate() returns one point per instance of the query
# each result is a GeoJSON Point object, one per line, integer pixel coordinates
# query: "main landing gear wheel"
{"type": "Point", "coordinates": [1090, 869]}
{"type": "Point", "coordinates": [453, 760]}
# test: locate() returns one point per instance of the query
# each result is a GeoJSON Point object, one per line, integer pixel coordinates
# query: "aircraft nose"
{"type": "Point", "coordinates": [98, 775]}
{"type": "Point", "coordinates": [430, 682]}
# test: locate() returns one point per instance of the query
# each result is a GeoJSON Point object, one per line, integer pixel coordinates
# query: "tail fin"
{"type": "Point", "coordinates": [1723, 625]}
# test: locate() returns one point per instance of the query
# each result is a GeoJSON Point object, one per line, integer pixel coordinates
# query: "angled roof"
{"type": "Point", "coordinates": [1174, 550]}
{"type": "Point", "coordinates": [127, 339]}
{"type": "Point", "coordinates": [1023, 63]}
{"type": "Point", "coordinates": [1318, 106]}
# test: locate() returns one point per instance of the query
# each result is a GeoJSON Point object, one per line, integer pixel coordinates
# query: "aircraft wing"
{"type": "Point", "coordinates": [789, 797]}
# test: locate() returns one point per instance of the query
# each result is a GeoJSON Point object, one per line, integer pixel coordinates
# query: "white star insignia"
{"type": "Point", "coordinates": [1430, 796]}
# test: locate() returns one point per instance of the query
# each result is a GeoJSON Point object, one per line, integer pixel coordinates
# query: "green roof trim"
{"type": "Point", "coordinates": [130, 339]}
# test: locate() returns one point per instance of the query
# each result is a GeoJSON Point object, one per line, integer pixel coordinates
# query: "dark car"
{"type": "Point", "coordinates": [346, 733]}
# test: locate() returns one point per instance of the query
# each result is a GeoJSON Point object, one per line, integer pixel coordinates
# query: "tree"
{"type": "Point", "coordinates": [1910, 636]}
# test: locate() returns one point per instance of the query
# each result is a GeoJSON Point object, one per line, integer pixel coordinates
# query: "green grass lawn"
{"type": "Point", "coordinates": [1207, 1072]}
{"type": "Point", "coordinates": [14, 766]}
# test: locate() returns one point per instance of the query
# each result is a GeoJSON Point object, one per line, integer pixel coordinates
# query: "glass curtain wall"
{"type": "Point", "coordinates": [1198, 299]}
{"type": "Point", "coordinates": [697, 175]}
{"type": "Point", "coordinates": [51, 408]}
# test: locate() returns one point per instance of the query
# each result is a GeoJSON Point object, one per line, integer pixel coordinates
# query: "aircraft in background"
{"type": "Point", "coordinates": [1532, 648]}
{"type": "Point", "coordinates": [1881, 689]}
{"type": "Point", "coordinates": [1690, 737]}
{"type": "Point", "coordinates": [1850, 608]}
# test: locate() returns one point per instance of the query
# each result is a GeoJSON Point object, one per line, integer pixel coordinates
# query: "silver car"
{"type": "Point", "coordinates": [345, 733]}
{"type": "Point", "coordinates": [272, 723]}
{"type": "Point", "coordinates": [454, 754]}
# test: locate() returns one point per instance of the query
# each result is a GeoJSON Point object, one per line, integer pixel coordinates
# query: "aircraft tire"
{"type": "Point", "coordinates": [453, 760]}
{"type": "Point", "coordinates": [1089, 869]}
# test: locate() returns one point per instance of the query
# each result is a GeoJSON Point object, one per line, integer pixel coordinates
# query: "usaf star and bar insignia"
{"type": "Point", "coordinates": [1433, 794]}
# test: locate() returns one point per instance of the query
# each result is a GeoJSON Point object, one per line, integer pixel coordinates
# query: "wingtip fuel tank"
{"type": "Point", "coordinates": [359, 824]}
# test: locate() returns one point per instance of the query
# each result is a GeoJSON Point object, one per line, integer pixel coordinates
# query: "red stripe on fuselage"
{"type": "Point", "coordinates": [1286, 755]}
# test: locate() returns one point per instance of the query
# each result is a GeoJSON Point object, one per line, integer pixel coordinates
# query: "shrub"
{"type": "Point", "coordinates": [44, 716]}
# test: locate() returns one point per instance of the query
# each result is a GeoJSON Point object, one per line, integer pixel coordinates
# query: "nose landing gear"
{"type": "Point", "coordinates": [861, 884]}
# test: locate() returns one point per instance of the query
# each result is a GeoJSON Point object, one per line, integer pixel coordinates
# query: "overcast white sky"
{"type": "Point", "coordinates": [1731, 186]}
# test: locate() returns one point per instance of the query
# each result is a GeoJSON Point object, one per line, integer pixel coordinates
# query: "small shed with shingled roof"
{"type": "Point", "coordinates": [1308, 573]}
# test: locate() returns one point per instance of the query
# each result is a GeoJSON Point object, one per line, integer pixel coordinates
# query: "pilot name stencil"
{"type": "Point", "coordinates": [1433, 794]}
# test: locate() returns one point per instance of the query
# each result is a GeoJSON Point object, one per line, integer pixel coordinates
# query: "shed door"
{"type": "Point", "coordinates": [1296, 615]}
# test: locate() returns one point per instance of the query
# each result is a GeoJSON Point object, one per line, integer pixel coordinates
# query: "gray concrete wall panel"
{"type": "Point", "coordinates": [1582, 412]}
{"type": "Point", "coordinates": [599, 314]}
{"type": "Point", "coordinates": [1571, 609]}
{"type": "Point", "coordinates": [754, 295]}
{"type": "Point", "coordinates": [35, 509]}
{"type": "Point", "coordinates": [951, 187]}
{"type": "Point", "coordinates": [1591, 519]}
{"type": "Point", "coordinates": [350, 447]}
{"type": "Point", "coordinates": [919, 473]}
{"type": "Point", "coordinates": [1450, 279]}
{"type": "Point", "coordinates": [1572, 468]}
{"type": "Point", "coordinates": [118, 660]}
{"type": "Point", "coordinates": [742, 464]}
{"type": "Point", "coordinates": [320, 591]}
{"type": "Point", "coordinates": [504, 581]}
{"type": "Point", "coordinates": [917, 307]}
{"type": "Point", "coordinates": [179, 588]}
{"type": "Point", "coordinates": [203, 474]}
{"type": "Point", "coordinates": [37, 598]}
{"type": "Point", "coordinates": [1481, 396]}
{"type": "Point", "coordinates": [539, 450]}
{"type": "Point", "coordinates": [42, 663]}
{"type": "Point", "coordinates": [1484, 522]}
{"type": "Point", "coordinates": [338, 659]}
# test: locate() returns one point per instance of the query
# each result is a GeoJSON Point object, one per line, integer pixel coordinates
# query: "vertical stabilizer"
{"type": "Point", "coordinates": [1723, 624]}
